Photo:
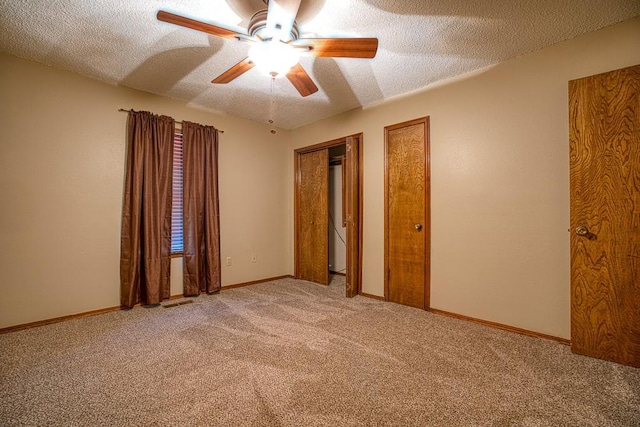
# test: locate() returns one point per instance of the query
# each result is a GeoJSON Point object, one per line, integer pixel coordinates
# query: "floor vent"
{"type": "Point", "coordinates": [175, 304]}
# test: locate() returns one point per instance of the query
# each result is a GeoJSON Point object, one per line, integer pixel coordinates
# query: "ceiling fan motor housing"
{"type": "Point", "coordinates": [258, 23]}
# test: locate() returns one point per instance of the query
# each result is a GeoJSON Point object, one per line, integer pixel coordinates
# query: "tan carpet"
{"type": "Point", "coordinates": [292, 353]}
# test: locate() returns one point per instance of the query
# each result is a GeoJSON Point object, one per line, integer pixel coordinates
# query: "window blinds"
{"type": "Point", "coordinates": [176, 208]}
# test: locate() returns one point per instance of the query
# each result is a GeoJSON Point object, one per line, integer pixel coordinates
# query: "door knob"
{"type": "Point", "coordinates": [418, 227]}
{"type": "Point", "coordinates": [582, 231]}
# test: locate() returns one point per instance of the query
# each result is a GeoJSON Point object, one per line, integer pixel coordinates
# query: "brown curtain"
{"type": "Point", "coordinates": [145, 250]}
{"type": "Point", "coordinates": [201, 218]}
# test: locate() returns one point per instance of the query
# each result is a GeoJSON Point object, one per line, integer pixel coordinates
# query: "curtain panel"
{"type": "Point", "coordinates": [145, 250]}
{"type": "Point", "coordinates": [201, 217]}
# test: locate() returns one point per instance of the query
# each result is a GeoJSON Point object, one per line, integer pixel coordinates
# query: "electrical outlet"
{"type": "Point", "coordinates": [229, 261]}
{"type": "Point", "coordinates": [254, 258]}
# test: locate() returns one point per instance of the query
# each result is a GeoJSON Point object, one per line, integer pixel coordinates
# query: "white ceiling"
{"type": "Point", "coordinates": [420, 42]}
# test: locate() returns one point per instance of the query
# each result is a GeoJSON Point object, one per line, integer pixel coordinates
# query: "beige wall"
{"type": "Point", "coordinates": [500, 201]}
{"type": "Point", "coordinates": [499, 182]}
{"type": "Point", "coordinates": [61, 176]}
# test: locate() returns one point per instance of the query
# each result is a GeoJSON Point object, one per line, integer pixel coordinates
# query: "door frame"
{"type": "Point", "coordinates": [427, 206]}
{"type": "Point", "coordinates": [351, 246]}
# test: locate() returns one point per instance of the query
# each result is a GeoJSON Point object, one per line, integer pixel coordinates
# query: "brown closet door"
{"type": "Point", "coordinates": [352, 209]}
{"type": "Point", "coordinates": [406, 213]}
{"type": "Point", "coordinates": [313, 205]}
{"type": "Point", "coordinates": [604, 144]}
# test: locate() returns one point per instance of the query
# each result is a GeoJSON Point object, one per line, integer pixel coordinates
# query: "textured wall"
{"type": "Point", "coordinates": [500, 182]}
{"type": "Point", "coordinates": [61, 177]}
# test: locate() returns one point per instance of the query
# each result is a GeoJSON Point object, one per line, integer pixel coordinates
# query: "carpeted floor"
{"type": "Point", "coordinates": [292, 353]}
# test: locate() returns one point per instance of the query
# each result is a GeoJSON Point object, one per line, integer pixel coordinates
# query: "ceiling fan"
{"type": "Point", "coordinates": [277, 45]}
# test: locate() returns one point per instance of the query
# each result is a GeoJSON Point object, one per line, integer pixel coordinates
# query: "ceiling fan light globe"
{"type": "Point", "coordinates": [274, 58]}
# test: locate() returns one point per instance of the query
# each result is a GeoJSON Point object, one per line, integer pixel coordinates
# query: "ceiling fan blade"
{"type": "Point", "coordinates": [341, 48]}
{"type": "Point", "coordinates": [280, 17]}
{"type": "Point", "coordinates": [234, 72]}
{"type": "Point", "coordinates": [199, 26]}
{"type": "Point", "coordinates": [301, 80]}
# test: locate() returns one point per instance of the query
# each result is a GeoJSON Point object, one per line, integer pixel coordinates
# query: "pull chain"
{"type": "Point", "coordinates": [271, 106]}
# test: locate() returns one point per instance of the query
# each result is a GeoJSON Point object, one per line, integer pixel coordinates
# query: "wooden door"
{"type": "Point", "coordinates": [313, 216]}
{"type": "Point", "coordinates": [407, 213]}
{"type": "Point", "coordinates": [604, 144]}
{"type": "Point", "coordinates": [352, 210]}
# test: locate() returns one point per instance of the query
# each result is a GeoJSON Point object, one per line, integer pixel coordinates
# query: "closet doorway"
{"type": "Point", "coordinates": [321, 171]}
{"type": "Point", "coordinates": [337, 213]}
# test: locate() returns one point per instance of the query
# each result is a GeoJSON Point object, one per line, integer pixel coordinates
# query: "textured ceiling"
{"type": "Point", "coordinates": [421, 42]}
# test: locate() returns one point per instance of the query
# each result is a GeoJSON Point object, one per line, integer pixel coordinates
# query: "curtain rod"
{"type": "Point", "coordinates": [177, 121]}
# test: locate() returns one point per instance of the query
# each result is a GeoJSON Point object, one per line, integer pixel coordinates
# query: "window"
{"type": "Point", "coordinates": [176, 208]}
